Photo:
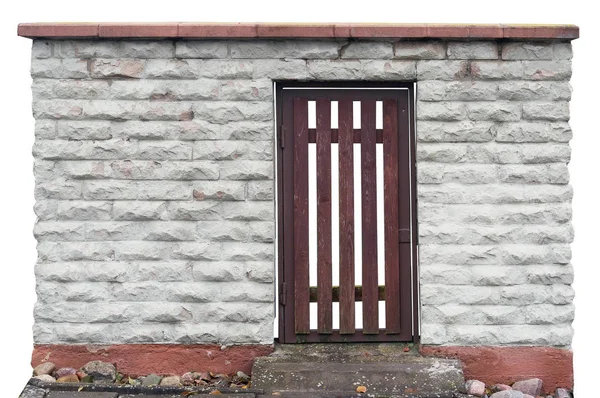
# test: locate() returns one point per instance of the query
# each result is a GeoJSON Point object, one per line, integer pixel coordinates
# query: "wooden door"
{"type": "Point", "coordinates": [347, 238]}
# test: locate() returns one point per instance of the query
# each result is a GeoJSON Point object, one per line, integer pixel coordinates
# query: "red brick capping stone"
{"type": "Point", "coordinates": [509, 364]}
{"type": "Point", "coordinates": [278, 30]}
{"type": "Point", "coordinates": [143, 359]}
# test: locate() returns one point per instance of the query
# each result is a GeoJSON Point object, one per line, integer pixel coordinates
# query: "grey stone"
{"type": "Point", "coordinates": [497, 111]}
{"type": "Point", "coordinates": [358, 69]}
{"type": "Point", "coordinates": [201, 49]}
{"type": "Point", "coordinates": [33, 392]}
{"type": "Point", "coordinates": [45, 368]}
{"type": "Point", "coordinates": [41, 48]}
{"type": "Point", "coordinates": [45, 378]}
{"type": "Point", "coordinates": [443, 70]}
{"type": "Point", "coordinates": [539, 50]}
{"type": "Point", "coordinates": [60, 68]}
{"type": "Point", "coordinates": [151, 380]}
{"type": "Point", "coordinates": [529, 386]}
{"type": "Point", "coordinates": [100, 371]}
{"type": "Point", "coordinates": [284, 49]}
{"type": "Point", "coordinates": [171, 69]}
{"type": "Point", "coordinates": [475, 387]}
{"type": "Point", "coordinates": [463, 131]}
{"type": "Point", "coordinates": [64, 372]}
{"type": "Point", "coordinates": [553, 111]}
{"type": "Point", "coordinates": [507, 394]}
{"type": "Point", "coordinates": [408, 49]}
{"type": "Point", "coordinates": [117, 68]}
{"type": "Point", "coordinates": [472, 50]}
{"type": "Point", "coordinates": [171, 381]}
{"type": "Point", "coordinates": [562, 393]}
{"type": "Point", "coordinates": [442, 111]}
{"type": "Point", "coordinates": [367, 50]}
{"type": "Point", "coordinates": [546, 70]}
{"type": "Point", "coordinates": [496, 70]}
{"type": "Point", "coordinates": [433, 90]}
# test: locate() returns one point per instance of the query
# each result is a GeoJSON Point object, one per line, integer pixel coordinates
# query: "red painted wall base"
{"type": "Point", "coordinates": [488, 364]}
{"type": "Point", "coordinates": [509, 364]}
{"type": "Point", "coordinates": [143, 359]}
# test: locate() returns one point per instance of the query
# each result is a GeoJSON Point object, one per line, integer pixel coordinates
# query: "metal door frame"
{"type": "Point", "coordinates": [284, 290]}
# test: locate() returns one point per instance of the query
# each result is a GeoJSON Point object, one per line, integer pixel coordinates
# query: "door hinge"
{"type": "Point", "coordinates": [283, 293]}
{"type": "Point", "coordinates": [281, 137]}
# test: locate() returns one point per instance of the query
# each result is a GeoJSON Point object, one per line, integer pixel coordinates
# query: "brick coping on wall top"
{"type": "Point", "coordinates": [279, 30]}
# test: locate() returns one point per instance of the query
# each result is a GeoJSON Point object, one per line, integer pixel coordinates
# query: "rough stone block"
{"type": "Point", "coordinates": [534, 91]}
{"type": "Point", "coordinates": [219, 190]}
{"type": "Point", "coordinates": [500, 111]}
{"type": "Point", "coordinates": [58, 188]}
{"type": "Point", "coordinates": [222, 112]}
{"type": "Point", "coordinates": [464, 131]}
{"type": "Point", "coordinates": [435, 90]}
{"type": "Point", "coordinates": [59, 68]}
{"type": "Point", "coordinates": [164, 150]}
{"type": "Point", "coordinates": [218, 271]}
{"type": "Point", "coordinates": [171, 69]}
{"type": "Point", "coordinates": [408, 49]}
{"type": "Point", "coordinates": [497, 70]}
{"type": "Point", "coordinates": [494, 194]}
{"type": "Point", "coordinates": [113, 49]}
{"type": "Point", "coordinates": [534, 132]}
{"type": "Point", "coordinates": [506, 214]}
{"type": "Point", "coordinates": [116, 68]}
{"type": "Point", "coordinates": [72, 88]}
{"type": "Point", "coordinates": [139, 210]}
{"type": "Point", "coordinates": [233, 150]}
{"type": "Point", "coordinates": [45, 129]}
{"type": "Point", "coordinates": [473, 50]}
{"type": "Point", "coordinates": [358, 69]}
{"type": "Point", "coordinates": [553, 111]}
{"type": "Point", "coordinates": [111, 110]}
{"type": "Point", "coordinates": [443, 70]}
{"type": "Point", "coordinates": [438, 173]}
{"type": "Point", "coordinates": [195, 210]}
{"type": "Point", "coordinates": [83, 130]}
{"type": "Point", "coordinates": [248, 211]}
{"type": "Point", "coordinates": [201, 49]}
{"type": "Point", "coordinates": [41, 48]}
{"type": "Point", "coordinates": [546, 70]}
{"type": "Point", "coordinates": [247, 170]}
{"type": "Point", "coordinates": [260, 190]}
{"type": "Point", "coordinates": [535, 174]}
{"type": "Point", "coordinates": [285, 49]}
{"type": "Point", "coordinates": [367, 50]}
{"type": "Point", "coordinates": [443, 111]}
{"type": "Point", "coordinates": [136, 190]}
{"type": "Point", "coordinates": [539, 50]}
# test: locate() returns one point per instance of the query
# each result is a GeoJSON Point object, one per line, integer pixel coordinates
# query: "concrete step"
{"type": "Point", "coordinates": [338, 369]}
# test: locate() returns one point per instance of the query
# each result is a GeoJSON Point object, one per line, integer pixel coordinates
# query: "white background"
{"type": "Point", "coordinates": [17, 246]}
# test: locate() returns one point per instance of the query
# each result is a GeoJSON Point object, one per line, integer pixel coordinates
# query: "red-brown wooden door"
{"type": "Point", "coordinates": [325, 269]}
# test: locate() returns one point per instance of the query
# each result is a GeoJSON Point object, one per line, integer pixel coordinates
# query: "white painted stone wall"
{"type": "Point", "coordinates": [154, 189]}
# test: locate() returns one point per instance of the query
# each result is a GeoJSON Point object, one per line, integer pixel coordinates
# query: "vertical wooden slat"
{"type": "Point", "coordinates": [404, 212]}
{"type": "Point", "coordinates": [369, 218]}
{"type": "Point", "coordinates": [301, 281]}
{"type": "Point", "coordinates": [346, 177]}
{"type": "Point", "coordinates": [324, 281]}
{"type": "Point", "coordinates": [390, 189]}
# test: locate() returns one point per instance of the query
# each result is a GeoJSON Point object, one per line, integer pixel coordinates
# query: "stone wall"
{"type": "Point", "coordinates": [154, 190]}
